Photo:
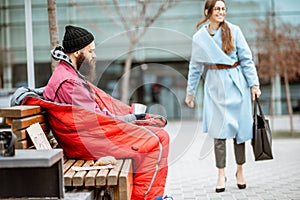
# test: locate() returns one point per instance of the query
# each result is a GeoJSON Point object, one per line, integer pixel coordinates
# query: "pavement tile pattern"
{"type": "Point", "coordinates": [193, 176]}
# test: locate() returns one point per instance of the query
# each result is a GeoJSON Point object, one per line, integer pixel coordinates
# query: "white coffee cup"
{"type": "Point", "coordinates": [138, 108]}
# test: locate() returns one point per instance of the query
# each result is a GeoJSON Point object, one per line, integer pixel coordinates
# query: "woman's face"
{"type": "Point", "coordinates": [218, 13]}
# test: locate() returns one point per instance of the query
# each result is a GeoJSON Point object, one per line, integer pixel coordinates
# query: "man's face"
{"type": "Point", "coordinates": [86, 61]}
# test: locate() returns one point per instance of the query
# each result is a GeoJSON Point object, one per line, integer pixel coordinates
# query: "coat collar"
{"type": "Point", "coordinates": [58, 54]}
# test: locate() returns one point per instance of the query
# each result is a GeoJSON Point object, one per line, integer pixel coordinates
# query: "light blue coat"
{"type": "Point", "coordinates": [227, 111]}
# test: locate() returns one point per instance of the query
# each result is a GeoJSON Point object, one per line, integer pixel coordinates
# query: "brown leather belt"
{"type": "Point", "coordinates": [222, 66]}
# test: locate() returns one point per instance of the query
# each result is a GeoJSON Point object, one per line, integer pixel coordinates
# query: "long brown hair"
{"type": "Point", "coordinates": [227, 39]}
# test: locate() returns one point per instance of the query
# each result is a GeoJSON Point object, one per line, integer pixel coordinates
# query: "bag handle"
{"type": "Point", "coordinates": [255, 111]}
{"type": "Point", "coordinates": [257, 104]}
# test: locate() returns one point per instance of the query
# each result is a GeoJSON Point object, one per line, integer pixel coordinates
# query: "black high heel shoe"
{"type": "Point", "coordinates": [240, 186]}
{"type": "Point", "coordinates": [218, 190]}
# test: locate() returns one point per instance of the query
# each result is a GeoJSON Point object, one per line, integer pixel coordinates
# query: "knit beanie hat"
{"type": "Point", "coordinates": [76, 38]}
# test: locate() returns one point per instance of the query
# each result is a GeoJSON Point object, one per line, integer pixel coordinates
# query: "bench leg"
{"type": "Point", "coordinates": [105, 194]}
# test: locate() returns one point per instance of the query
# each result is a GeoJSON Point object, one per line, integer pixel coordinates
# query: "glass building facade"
{"type": "Point", "coordinates": [160, 58]}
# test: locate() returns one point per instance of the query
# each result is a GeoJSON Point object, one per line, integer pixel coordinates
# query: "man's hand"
{"type": "Point", "coordinates": [255, 91]}
{"type": "Point", "coordinates": [140, 116]}
{"type": "Point", "coordinates": [129, 118]}
{"type": "Point", "coordinates": [189, 100]}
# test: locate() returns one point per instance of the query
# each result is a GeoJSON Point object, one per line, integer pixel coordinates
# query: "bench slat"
{"type": "Point", "coordinates": [101, 177]}
{"type": "Point", "coordinates": [68, 164]}
{"type": "Point", "coordinates": [125, 180]}
{"type": "Point", "coordinates": [22, 133]}
{"type": "Point", "coordinates": [113, 175]}
{"type": "Point", "coordinates": [90, 178]}
{"type": "Point", "coordinates": [26, 122]}
{"type": "Point", "coordinates": [78, 178]}
{"type": "Point", "coordinates": [70, 173]}
{"type": "Point", "coordinates": [8, 121]}
{"type": "Point", "coordinates": [19, 111]}
{"type": "Point", "coordinates": [21, 144]}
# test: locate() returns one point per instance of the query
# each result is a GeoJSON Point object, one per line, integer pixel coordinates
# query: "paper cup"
{"type": "Point", "coordinates": [138, 108]}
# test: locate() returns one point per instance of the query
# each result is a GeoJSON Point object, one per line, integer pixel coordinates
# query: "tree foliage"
{"type": "Point", "coordinates": [279, 54]}
{"type": "Point", "coordinates": [279, 50]}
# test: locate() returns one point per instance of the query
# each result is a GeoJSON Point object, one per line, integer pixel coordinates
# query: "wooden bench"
{"type": "Point", "coordinates": [116, 182]}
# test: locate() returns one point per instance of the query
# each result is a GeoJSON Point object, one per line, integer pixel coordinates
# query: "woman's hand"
{"type": "Point", "coordinates": [255, 91]}
{"type": "Point", "coordinates": [189, 100]}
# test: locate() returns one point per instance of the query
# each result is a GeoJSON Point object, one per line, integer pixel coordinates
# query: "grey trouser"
{"type": "Point", "coordinates": [220, 152]}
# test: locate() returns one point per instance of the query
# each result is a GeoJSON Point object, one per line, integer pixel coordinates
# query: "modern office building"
{"type": "Point", "coordinates": [160, 58]}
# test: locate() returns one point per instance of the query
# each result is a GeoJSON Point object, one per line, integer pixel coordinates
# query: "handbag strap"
{"type": "Point", "coordinates": [257, 104]}
{"type": "Point", "coordinates": [255, 112]}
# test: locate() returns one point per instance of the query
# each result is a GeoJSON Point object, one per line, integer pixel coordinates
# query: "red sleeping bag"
{"type": "Point", "coordinates": [84, 134]}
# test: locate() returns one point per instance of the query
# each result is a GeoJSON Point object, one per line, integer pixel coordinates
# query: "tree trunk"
{"type": "Point", "coordinates": [288, 100]}
{"type": "Point", "coordinates": [126, 74]}
{"type": "Point", "coordinates": [271, 106]}
{"type": "Point", "coordinates": [53, 28]}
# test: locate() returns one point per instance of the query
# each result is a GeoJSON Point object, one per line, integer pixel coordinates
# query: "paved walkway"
{"type": "Point", "coordinates": [193, 175]}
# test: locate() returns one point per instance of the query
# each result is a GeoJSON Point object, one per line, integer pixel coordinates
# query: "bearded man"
{"type": "Point", "coordinates": [106, 126]}
{"type": "Point", "coordinates": [67, 84]}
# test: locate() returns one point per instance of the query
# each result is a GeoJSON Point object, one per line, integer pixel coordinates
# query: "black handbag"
{"type": "Point", "coordinates": [262, 136]}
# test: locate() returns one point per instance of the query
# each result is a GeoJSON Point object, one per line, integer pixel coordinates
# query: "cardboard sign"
{"type": "Point", "coordinates": [38, 137]}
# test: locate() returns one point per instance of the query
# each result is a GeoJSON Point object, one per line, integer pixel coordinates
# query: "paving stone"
{"type": "Point", "coordinates": [276, 179]}
{"type": "Point", "coordinates": [189, 196]}
{"type": "Point", "coordinates": [202, 198]}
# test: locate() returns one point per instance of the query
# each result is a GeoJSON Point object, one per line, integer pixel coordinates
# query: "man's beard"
{"type": "Point", "coordinates": [86, 67]}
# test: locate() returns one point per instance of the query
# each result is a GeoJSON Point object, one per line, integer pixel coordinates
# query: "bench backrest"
{"type": "Point", "coordinates": [21, 117]}
{"type": "Point", "coordinates": [119, 179]}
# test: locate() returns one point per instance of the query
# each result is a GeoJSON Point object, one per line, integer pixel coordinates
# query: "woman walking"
{"type": "Point", "coordinates": [221, 52]}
